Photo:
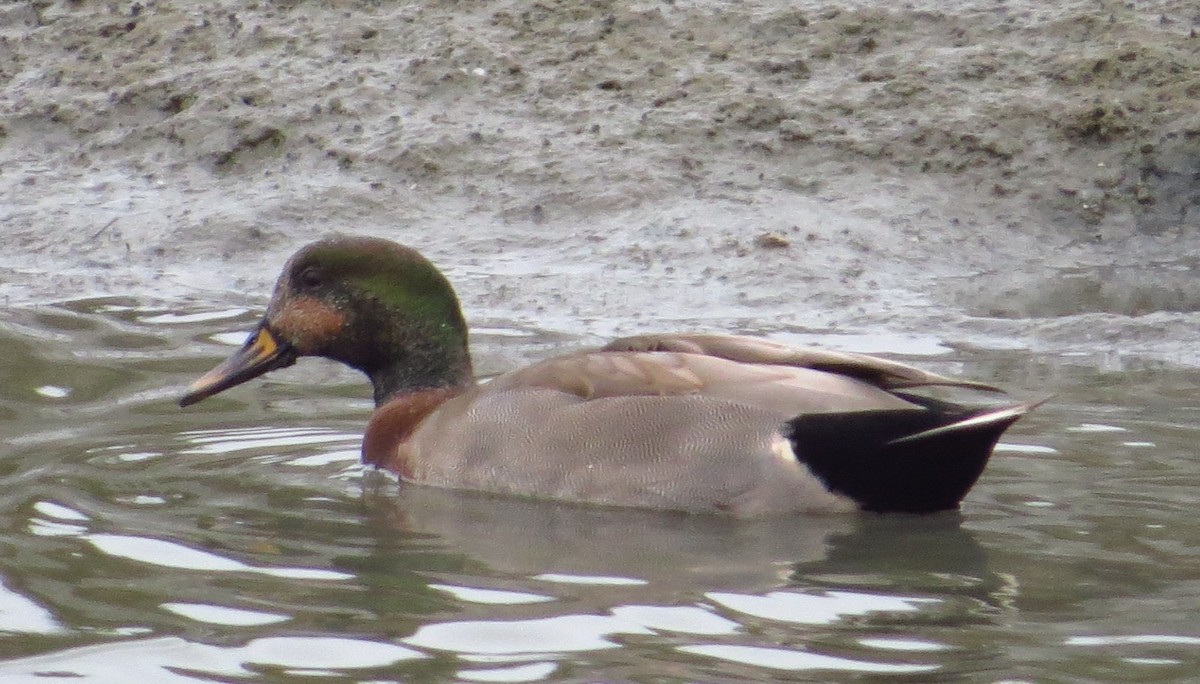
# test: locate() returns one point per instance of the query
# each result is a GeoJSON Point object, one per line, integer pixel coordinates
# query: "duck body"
{"type": "Point", "coordinates": [696, 423]}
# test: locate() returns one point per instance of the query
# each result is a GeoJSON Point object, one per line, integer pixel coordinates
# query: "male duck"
{"type": "Point", "coordinates": [685, 422]}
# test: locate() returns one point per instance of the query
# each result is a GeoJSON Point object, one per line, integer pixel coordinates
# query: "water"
{"type": "Point", "coordinates": [241, 541]}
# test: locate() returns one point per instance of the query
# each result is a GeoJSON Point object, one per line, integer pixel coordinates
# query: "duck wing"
{"type": "Point", "coordinates": [785, 389]}
{"type": "Point", "coordinates": [883, 373]}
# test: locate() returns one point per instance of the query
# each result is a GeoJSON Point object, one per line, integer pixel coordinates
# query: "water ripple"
{"type": "Point", "coordinates": [172, 555]}
{"type": "Point", "coordinates": [814, 608]}
{"type": "Point", "coordinates": [559, 634]}
{"type": "Point", "coordinates": [170, 659]}
{"type": "Point", "coordinates": [784, 659]}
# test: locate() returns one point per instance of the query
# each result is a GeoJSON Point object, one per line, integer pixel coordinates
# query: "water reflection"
{"type": "Point", "coordinates": [786, 659]}
{"type": "Point", "coordinates": [171, 659]}
{"type": "Point", "coordinates": [244, 541]}
{"type": "Point", "coordinates": [582, 547]}
{"type": "Point", "coordinates": [621, 576]}
{"type": "Point", "coordinates": [18, 614]}
{"type": "Point", "coordinates": [221, 615]}
{"type": "Point", "coordinates": [642, 552]}
{"type": "Point", "coordinates": [815, 608]}
{"type": "Point", "coordinates": [171, 555]}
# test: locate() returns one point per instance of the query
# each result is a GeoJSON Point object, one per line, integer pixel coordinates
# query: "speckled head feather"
{"type": "Point", "coordinates": [376, 306]}
{"type": "Point", "coordinates": [371, 304]}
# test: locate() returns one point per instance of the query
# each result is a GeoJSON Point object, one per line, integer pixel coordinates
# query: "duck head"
{"type": "Point", "coordinates": [369, 303]}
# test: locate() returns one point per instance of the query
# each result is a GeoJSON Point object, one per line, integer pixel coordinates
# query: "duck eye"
{"type": "Point", "coordinates": [311, 278]}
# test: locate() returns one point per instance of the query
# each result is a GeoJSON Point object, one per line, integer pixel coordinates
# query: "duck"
{"type": "Point", "coordinates": [693, 422]}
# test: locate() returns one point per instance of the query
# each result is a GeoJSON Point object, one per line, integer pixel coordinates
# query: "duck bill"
{"type": "Point", "coordinates": [261, 353]}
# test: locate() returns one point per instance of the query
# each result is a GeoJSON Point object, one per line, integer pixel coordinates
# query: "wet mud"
{"type": "Point", "coordinates": [993, 174]}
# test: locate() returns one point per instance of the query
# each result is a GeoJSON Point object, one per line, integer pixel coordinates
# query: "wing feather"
{"type": "Point", "coordinates": [882, 373]}
{"type": "Point", "coordinates": [786, 390]}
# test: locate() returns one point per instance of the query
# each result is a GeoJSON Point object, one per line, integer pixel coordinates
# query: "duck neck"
{"type": "Point", "coordinates": [419, 369]}
{"type": "Point", "coordinates": [394, 423]}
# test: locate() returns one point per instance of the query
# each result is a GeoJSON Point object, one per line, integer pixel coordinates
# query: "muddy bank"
{"type": "Point", "coordinates": [990, 173]}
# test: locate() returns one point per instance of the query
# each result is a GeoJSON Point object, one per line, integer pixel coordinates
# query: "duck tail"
{"type": "Point", "coordinates": [905, 460]}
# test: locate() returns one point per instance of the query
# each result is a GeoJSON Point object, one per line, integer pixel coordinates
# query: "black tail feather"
{"type": "Point", "coordinates": [915, 461]}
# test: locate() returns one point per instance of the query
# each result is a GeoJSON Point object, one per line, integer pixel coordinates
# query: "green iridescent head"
{"type": "Point", "coordinates": [370, 303]}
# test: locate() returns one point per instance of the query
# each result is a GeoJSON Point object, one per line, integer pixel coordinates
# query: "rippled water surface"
{"type": "Point", "coordinates": [240, 540]}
